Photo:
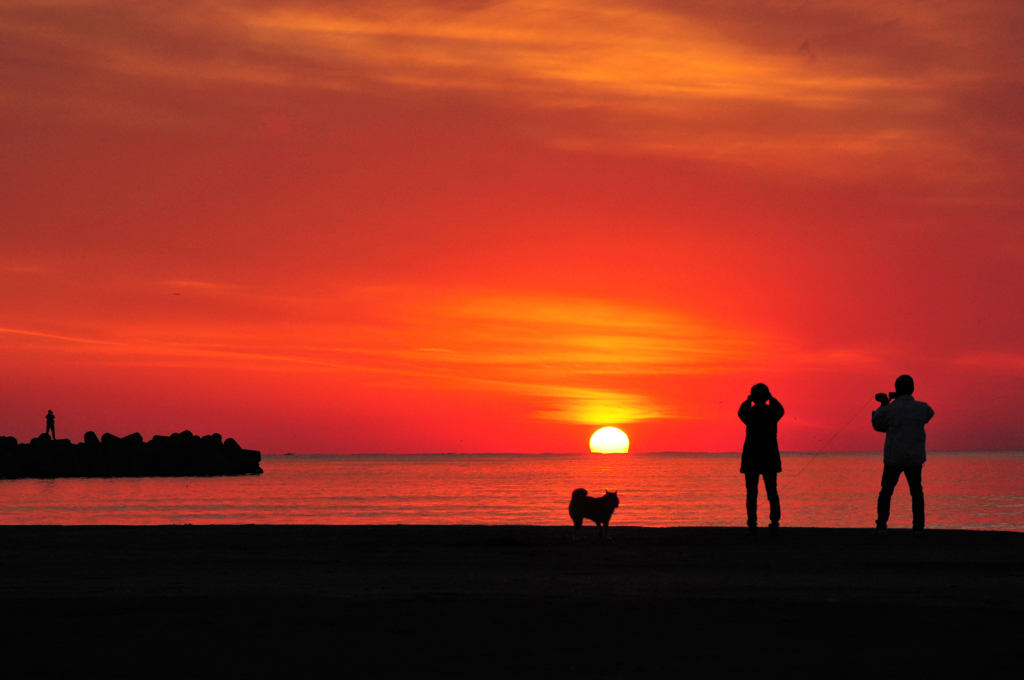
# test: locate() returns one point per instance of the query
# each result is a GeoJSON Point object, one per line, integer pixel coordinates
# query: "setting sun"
{"type": "Point", "coordinates": [609, 440]}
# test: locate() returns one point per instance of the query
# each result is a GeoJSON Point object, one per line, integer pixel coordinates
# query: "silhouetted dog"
{"type": "Point", "coordinates": [599, 510]}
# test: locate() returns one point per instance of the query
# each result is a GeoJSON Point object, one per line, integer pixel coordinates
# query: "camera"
{"type": "Point", "coordinates": [883, 398]}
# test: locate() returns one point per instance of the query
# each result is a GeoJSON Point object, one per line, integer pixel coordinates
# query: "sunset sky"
{"type": "Point", "coordinates": [497, 226]}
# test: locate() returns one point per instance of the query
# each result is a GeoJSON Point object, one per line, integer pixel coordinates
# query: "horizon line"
{"type": "Point", "coordinates": [631, 453]}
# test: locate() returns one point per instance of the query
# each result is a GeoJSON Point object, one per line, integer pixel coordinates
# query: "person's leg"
{"type": "Point", "coordinates": [890, 475]}
{"type": "Point", "coordinates": [752, 478]}
{"type": "Point", "coordinates": [913, 474]}
{"type": "Point", "coordinates": [771, 490]}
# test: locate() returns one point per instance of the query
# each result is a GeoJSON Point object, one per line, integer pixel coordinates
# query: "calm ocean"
{"type": "Point", "coordinates": [962, 490]}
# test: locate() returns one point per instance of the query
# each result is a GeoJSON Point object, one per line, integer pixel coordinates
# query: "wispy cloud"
{"type": "Point", "coordinates": [1006, 363]}
{"type": "Point", "coordinates": [725, 81]}
{"type": "Point", "coordinates": [14, 268]}
{"type": "Point", "coordinates": [570, 356]}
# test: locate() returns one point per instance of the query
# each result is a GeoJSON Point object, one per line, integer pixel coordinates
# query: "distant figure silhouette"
{"type": "Point", "coordinates": [49, 425]}
{"type": "Point", "coordinates": [761, 413]}
{"type": "Point", "coordinates": [902, 419]}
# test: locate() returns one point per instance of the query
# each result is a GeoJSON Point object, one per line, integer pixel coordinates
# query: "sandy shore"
{"type": "Point", "coordinates": [508, 601]}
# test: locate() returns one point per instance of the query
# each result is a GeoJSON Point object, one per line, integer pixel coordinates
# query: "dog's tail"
{"type": "Point", "coordinates": [578, 495]}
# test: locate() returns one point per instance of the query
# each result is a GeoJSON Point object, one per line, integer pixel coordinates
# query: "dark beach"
{"type": "Point", "coordinates": [519, 601]}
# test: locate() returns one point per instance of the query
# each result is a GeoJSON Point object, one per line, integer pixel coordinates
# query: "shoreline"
{"type": "Point", "coordinates": [506, 600]}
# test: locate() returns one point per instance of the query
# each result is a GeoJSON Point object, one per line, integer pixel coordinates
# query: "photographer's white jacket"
{"type": "Point", "coordinates": [902, 421]}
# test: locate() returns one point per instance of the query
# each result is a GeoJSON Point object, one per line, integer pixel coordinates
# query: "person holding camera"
{"type": "Point", "coordinates": [761, 413]}
{"type": "Point", "coordinates": [902, 419]}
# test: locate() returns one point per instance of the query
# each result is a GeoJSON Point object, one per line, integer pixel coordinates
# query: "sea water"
{"type": "Point", "coordinates": [962, 491]}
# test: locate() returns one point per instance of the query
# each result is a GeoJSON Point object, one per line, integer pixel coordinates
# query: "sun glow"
{"type": "Point", "coordinates": [609, 440]}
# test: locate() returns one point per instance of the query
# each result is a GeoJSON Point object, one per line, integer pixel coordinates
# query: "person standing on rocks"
{"type": "Point", "coordinates": [902, 419]}
{"type": "Point", "coordinates": [761, 413]}
{"type": "Point", "coordinates": [50, 430]}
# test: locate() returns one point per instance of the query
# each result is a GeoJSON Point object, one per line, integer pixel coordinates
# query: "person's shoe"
{"type": "Point", "coordinates": [919, 532]}
{"type": "Point", "coordinates": [752, 532]}
{"type": "Point", "coordinates": [773, 529]}
{"type": "Point", "coordinates": [880, 531]}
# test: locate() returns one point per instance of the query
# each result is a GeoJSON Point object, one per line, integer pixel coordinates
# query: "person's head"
{"type": "Point", "coordinates": [49, 413]}
{"type": "Point", "coordinates": [904, 385]}
{"type": "Point", "coordinates": [759, 393]}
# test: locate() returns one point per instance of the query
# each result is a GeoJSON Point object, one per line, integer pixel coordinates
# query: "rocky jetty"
{"type": "Point", "coordinates": [182, 454]}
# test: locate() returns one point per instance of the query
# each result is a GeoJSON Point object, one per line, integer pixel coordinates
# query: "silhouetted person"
{"type": "Point", "coordinates": [902, 420]}
{"type": "Point", "coordinates": [761, 413]}
{"type": "Point", "coordinates": [49, 425]}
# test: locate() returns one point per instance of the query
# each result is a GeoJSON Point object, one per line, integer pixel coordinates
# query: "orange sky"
{"type": "Point", "coordinates": [496, 226]}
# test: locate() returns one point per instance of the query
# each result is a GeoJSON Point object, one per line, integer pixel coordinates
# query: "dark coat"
{"type": "Point", "coordinates": [761, 447]}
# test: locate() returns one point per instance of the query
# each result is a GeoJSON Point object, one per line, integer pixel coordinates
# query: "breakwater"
{"type": "Point", "coordinates": [181, 454]}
